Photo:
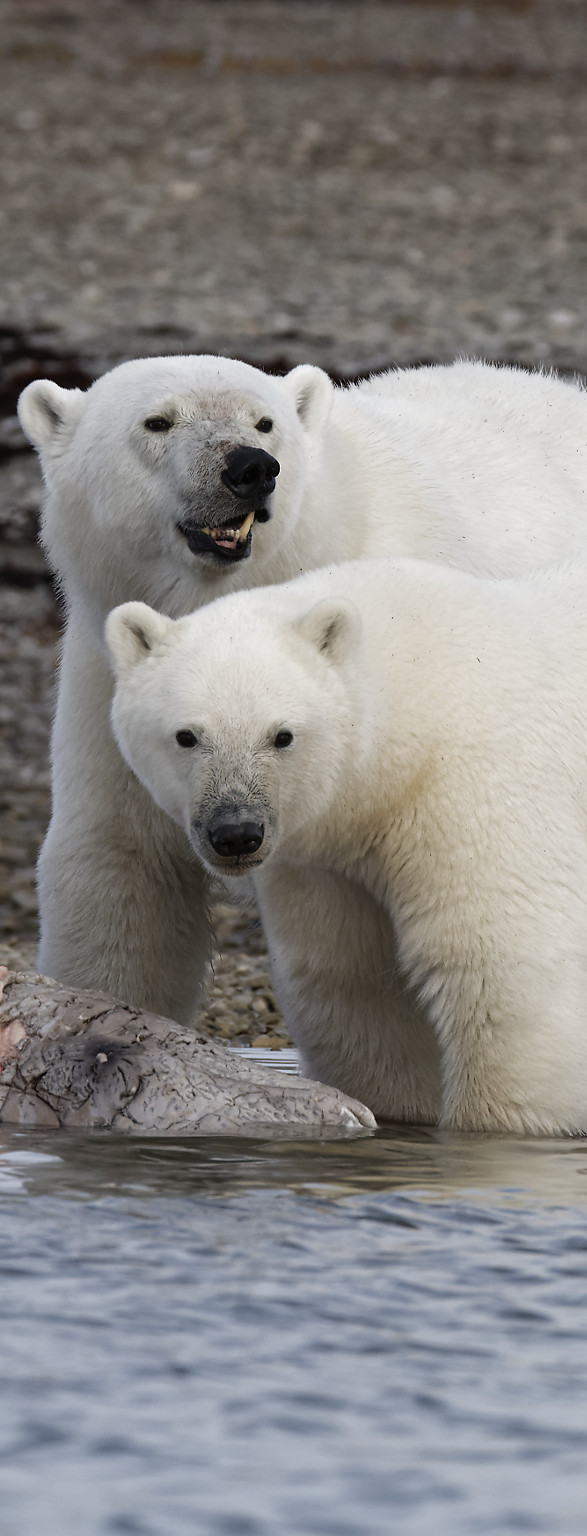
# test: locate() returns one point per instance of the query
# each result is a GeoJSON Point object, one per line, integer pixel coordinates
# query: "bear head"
{"type": "Point", "coordinates": [170, 472]}
{"type": "Point", "coordinates": [239, 720]}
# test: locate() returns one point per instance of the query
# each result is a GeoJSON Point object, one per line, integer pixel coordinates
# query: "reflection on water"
{"type": "Point", "coordinates": [228, 1338]}
{"type": "Point", "coordinates": [427, 1164]}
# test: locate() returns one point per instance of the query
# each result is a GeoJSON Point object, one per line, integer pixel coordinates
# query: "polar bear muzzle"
{"type": "Point", "coordinates": [234, 835]}
{"type": "Point", "coordinates": [249, 476]}
{"type": "Point", "coordinates": [236, 839]}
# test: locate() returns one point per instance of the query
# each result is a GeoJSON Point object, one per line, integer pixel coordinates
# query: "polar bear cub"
{"type": "Point", "coordinates": [396, 752]}
{"type": "Point", "coordinates": [178, 479]}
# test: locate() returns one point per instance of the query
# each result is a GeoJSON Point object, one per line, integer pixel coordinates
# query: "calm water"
{"type": "Point", "coordinates": [228, 1338]}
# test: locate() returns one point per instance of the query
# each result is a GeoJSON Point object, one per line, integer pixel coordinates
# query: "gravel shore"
{"type": "Point", "coordinates": [345, 181]}
{"type": "Point", "coordinates": [354, 184]}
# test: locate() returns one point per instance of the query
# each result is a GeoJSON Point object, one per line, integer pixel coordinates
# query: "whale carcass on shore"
{"type": "Point", "coordinates": [82, 1059]}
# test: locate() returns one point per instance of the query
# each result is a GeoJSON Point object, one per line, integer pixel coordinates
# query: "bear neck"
{"type": "Point", "coordinates": [345, 503]}
{"type": "Point", "coordinates": [396, 762]}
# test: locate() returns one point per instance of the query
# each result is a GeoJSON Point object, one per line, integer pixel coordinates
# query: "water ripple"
{"type": "Point", "coordinates": [327, 1339]}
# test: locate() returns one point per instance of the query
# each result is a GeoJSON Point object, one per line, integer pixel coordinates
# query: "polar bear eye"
{"type": "Point", "coordinates": [264, 425]}
{"type": "Point", "coordinates": [283, 739]}
{"type": "Point", "coordinates": [186, 739]}
{"type": "Point", "coordinates": [158, 424]}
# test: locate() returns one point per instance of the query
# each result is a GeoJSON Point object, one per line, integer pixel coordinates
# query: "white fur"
{"type": "Point", "coordinates": [477, 467]}
{"type": "Point", "coordinates": [423, 873]}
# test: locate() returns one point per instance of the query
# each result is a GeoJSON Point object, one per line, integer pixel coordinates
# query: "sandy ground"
{"type": "Point", "coordinates": [355, 184]}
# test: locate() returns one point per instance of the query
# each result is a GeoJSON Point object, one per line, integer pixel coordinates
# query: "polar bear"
{"type": "Point", "coordinates": [174, 480]}
{"type": "Point", "coordinates": [396, 753]}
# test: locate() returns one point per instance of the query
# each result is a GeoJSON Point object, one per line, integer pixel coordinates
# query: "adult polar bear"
{"type": "Point", "coordinates": [397, 753]}
{"type": "Point", "coordinates": [151, 479]}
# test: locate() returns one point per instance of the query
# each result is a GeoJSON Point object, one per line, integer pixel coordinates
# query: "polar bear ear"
{"type": "Point", "coordinates": [332, 626]}
{"type": "Point", "coordinates": [46, 412]}
{"type": "Point", "coordinates": [312, 392]}
{"type": "Point", "coordinates": [134, 631]}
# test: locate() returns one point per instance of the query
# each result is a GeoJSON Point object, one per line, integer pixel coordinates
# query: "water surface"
{"type": "Point", "coordinates": [277, 1338]}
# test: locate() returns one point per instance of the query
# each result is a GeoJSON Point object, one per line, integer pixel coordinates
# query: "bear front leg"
{"type": "Point", "coordinates": [122, 899]}
{"type": "Point", "coordinates": [511, 1065]}
{"type": "Point", "coordinates": [335, 970]}
{"type": "Point", "coordinates": [504, 987]}
{"type": "Point", "coordinates": [127, 919]}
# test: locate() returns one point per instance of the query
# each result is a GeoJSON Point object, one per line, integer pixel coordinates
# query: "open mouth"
{"type": "Point", "coordinates": [231, 542]}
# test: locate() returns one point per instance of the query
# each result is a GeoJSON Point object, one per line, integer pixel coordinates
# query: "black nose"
{"type": "Point", "coordinates": [250, 472]}
{"type": "Point", "coordinates": [234, 838]}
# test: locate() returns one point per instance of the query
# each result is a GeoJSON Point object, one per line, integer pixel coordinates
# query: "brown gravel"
{"type": "Point", "coordinates": [345, 181]}
{"type": "Point", "coordinates": [28, 642]}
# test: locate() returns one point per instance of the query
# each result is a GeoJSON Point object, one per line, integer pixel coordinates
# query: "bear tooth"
{"type": "Point", "coordinates": [244, 527]}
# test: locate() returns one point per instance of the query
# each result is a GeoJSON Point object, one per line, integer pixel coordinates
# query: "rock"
{"type": "Point", "coordinates": [83, 1059]}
